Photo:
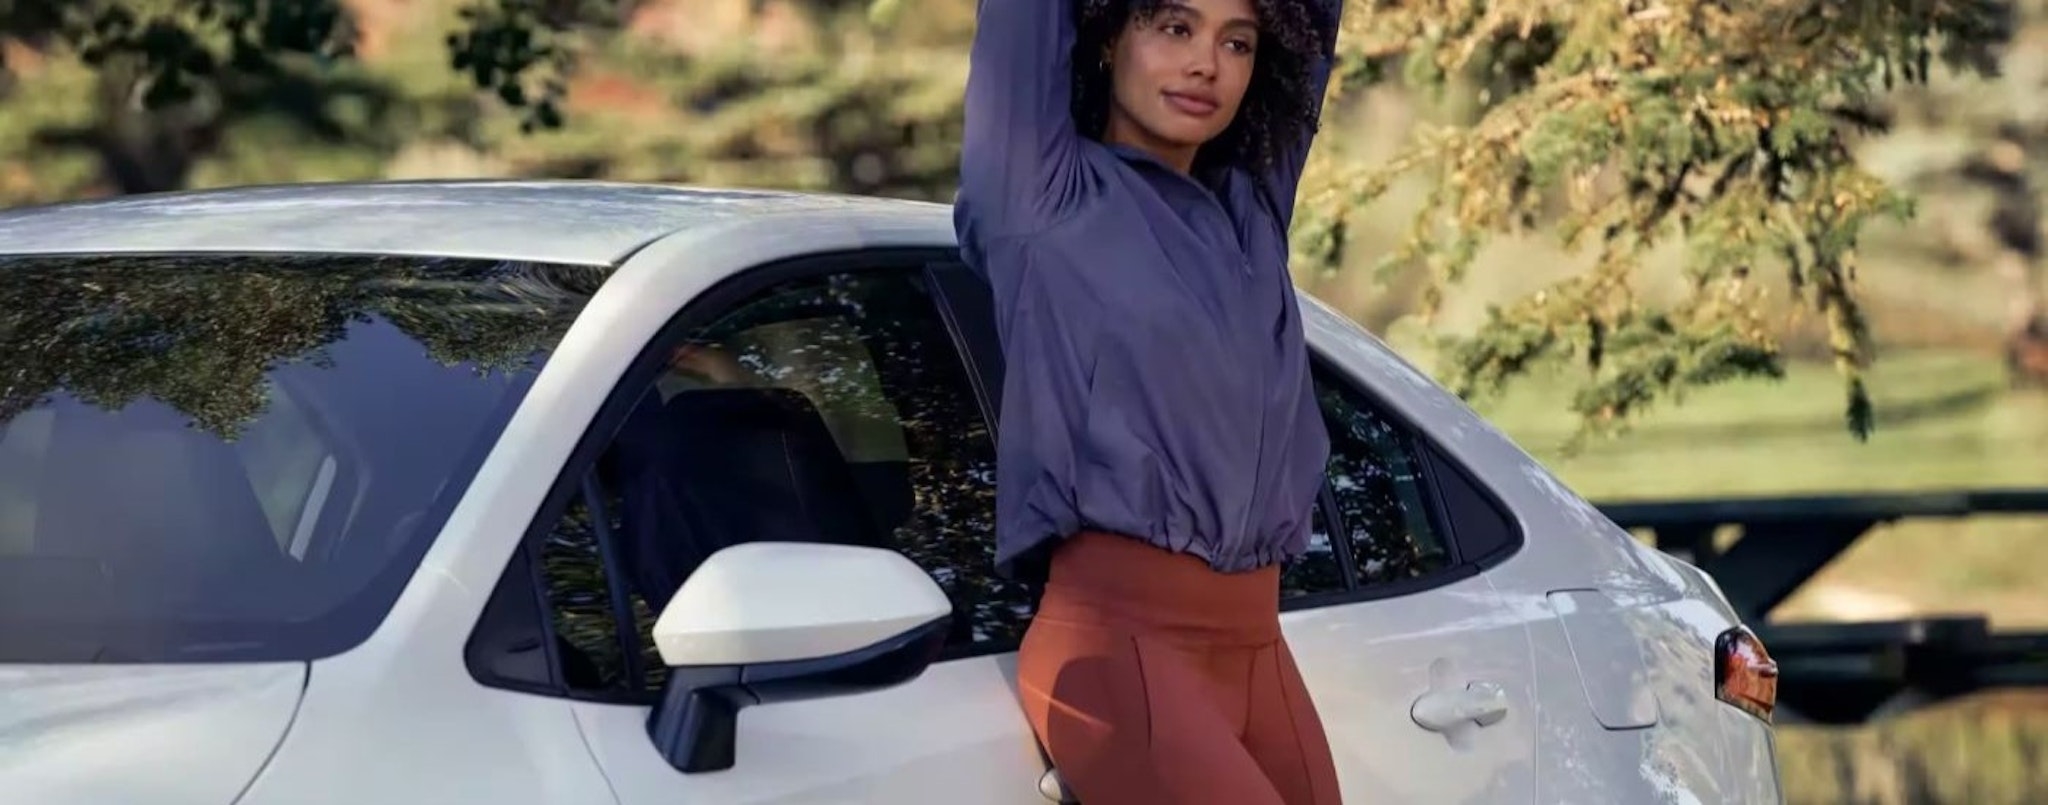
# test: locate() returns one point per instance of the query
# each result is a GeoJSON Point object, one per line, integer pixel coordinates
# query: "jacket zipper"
{"type": "Point", "coordinates": [1244, 263]}
{"type": "Point", "coordinates": [1245, 537]}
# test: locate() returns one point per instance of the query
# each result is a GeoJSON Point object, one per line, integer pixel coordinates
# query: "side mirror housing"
{"type": "Point", "coordinates": [770, 622]}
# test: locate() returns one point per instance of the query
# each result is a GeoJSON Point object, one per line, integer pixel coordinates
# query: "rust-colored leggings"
{"type": "Point", "coordinates": [1153, 680]}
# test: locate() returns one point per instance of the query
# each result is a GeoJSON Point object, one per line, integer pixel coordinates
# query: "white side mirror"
{"type": "Point", "coordinates": [766, 602]}
{"type": "Point", "coordinates": [778, 621]}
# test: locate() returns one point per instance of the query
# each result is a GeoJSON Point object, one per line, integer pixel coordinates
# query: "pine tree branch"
{"type": "Point", "coordinates": [1619, 110]}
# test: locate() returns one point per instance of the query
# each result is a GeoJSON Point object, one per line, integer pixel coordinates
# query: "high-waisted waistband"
{"type": "Point", "coordinates": [1114, 580]}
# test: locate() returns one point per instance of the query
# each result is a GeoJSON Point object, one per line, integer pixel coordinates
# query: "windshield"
{"type": "Point", "coordinates": [208, 458]}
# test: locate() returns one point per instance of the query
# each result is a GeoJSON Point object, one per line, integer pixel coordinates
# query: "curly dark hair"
{"type": "Point", "coordinates": [1279, 104]}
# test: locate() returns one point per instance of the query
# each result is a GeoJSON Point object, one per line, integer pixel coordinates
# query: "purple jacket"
{"type": "Point", "coordinates": [1157, 382]}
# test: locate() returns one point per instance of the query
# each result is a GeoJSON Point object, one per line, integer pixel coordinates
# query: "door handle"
{"type": "Point", "coordinates": [1482, 704]}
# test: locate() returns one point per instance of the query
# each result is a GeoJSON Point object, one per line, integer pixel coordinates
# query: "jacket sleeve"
{"type": "Point", "coordinates": [1283, 177]}
{"type": "Point", "coordinates": [1018, 151]}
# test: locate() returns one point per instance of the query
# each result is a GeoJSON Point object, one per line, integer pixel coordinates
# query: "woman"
{"type": "Point", "coordinates": [1127, 180]}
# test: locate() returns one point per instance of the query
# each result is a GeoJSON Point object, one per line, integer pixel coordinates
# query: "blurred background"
{"type": "Point", "coordinates": [808, 94]}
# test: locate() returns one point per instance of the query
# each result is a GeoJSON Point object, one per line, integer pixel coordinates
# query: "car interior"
{"type": "Point", "coordinates": [111, 484]}
{"type": "Point", "coordinates": [778, 476]}
{"type": "Point", "coordinates": [698, 469]}
{"type": "Point", "coordinates": [89, 529]}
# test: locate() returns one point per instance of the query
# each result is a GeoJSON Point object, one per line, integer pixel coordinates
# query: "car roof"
{"type": "Point", "coordinates": [565, 221]}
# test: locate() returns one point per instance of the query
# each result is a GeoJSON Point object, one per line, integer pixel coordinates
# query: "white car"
{"type": "Point", "coordinates": [553, 492]}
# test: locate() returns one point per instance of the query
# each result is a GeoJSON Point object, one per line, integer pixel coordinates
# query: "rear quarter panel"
{"type": "Point", "coordinates": [1697, 750]}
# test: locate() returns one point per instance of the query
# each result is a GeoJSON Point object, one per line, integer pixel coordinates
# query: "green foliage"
{"type": "Point", "coordinates": [848, 108]}
{"type": "Point", "coordinates": [169, 85]}
{"type": "Point", "coordinates": [176, 44]}
{"type": "Point", "coordinates": [201, 334]}
{"type": "Point", "coordinates": [1626, 126]}
{"type": "Point", "coordinates": [503, 42]}
{"type": "Point", "coordinates": [522, 51]}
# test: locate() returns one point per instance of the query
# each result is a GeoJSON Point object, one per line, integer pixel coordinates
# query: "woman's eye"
{"type": "Point", "coordinates": [1239, 46]}
{"type": "Point", "coordinates": [1178, 29]}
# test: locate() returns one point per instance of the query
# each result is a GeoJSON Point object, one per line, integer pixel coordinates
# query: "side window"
{"type": "Point", "coordinates": [583, 599]}
{"type": "Point", "coordinates": [1319, 570]}
{"type": "Point", "coordinates": [1383, 513]}
{"type": "Point", "coordinates": [829, 408]}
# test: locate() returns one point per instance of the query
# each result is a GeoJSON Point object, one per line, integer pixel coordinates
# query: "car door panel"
{"type": "Point", "coordinates": [854, 349]}
{"type": "Point", "coordinates": [1395, 630]}
{"type": "Point", "coordinates": [1368, 663]}
{"type": "Point", "coordinates": [953, 735]}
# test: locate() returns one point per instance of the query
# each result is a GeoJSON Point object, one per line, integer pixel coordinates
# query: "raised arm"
{"type": "Point", "coordinates": [1283, 177]}
{"type": "Point", "coordinates": [1018, 153]}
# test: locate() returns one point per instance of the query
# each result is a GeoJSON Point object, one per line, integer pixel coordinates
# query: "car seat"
{"type": "Point", "coordinates": [714, 468]}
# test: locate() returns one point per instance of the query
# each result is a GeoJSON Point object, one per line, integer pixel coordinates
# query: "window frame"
{"type": "Point", "coordinates": [722, 298]}
{"type": "Point", "coordinates": [1432, 465]}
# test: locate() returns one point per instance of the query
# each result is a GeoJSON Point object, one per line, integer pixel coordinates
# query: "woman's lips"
{"type": "Point", "coordinates": [1194, 105]}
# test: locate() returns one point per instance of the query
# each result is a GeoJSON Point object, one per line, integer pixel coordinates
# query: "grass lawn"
{"type": "Point", "coordinates": [1944, 421]}
{"type": "Point", "coordinates": [1991, 750]}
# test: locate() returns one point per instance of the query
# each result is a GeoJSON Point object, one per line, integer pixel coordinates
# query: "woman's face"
{"type": "Point", "coordinates": [1180, 75]}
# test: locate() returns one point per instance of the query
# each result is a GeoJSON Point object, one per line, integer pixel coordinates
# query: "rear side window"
{"type": "Point", "coordinates": [1382, 497]}
{"type": "Point", "coordinates": [215, 458]}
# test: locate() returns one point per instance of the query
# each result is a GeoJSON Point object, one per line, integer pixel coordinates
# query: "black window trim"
{"type": "Point", "coordinates": [1432, 461]}
{"type": "Point", "coordinates": [1438, 463]}
{"type": "Point", "coordinates": [954, 289]}
{"type": "Point", "coordinates": [1333, 519]}
{"type": "Point", "coordinates": [569, 483]}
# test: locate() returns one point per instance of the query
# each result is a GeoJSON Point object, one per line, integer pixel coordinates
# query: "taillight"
{"type": "Point", "coordinates": [1744, 674]}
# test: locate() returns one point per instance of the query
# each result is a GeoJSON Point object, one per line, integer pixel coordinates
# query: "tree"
{"type": "Point", "coordinates": [166, 88]}
{"type": "Point", "coordinates": [169, 50]}
{"type": "Point", "coordinates": [853, 114]}
{"type": "Point", "coordinates": [1727, 126]}
{"type": "Point", "coordinates": [852, 109]}
{"type": "Point", "coordinates": [1982, 146]}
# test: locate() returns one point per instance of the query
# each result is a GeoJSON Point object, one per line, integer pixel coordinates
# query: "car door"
{"type": "Point", "coordinates": [888, 435]}
{"type": "Point", "coordinates": [1422, 675]}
